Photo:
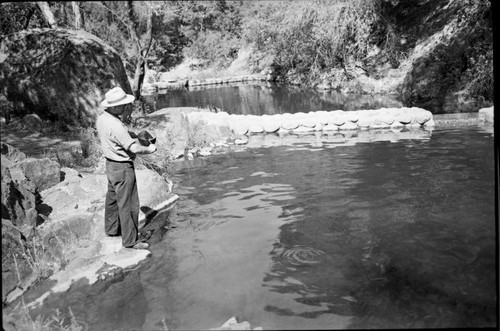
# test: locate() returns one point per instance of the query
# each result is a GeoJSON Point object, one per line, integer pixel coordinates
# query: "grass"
{"type": "Point", "coordinates": [22, 319]}
{"type": "Point", "coordinates": [45, 259]}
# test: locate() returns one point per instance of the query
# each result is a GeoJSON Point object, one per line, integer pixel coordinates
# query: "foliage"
{"type": "Point", "coordinates": [216, 48]}
{"type": "Point", "coordinates": [87, 156]}
{"type": "Point", "coordinates": [90, 145]}
{"type": "Point", "coordinates": [311, 39]}
{"type": "Point", "coordinates": [16, 16]}
{"type": "Point", "coordinates": [478, 75]}
{"type": "Point", "coordinates": [196, 134]}
{"type": "Point", "coordinates": [308, 38]}
{"type": "Point", "coordinates": [212, 29]}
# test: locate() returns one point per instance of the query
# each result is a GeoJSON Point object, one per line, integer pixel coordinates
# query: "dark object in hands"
{"type": "Point", "coordinates": [144, 138]}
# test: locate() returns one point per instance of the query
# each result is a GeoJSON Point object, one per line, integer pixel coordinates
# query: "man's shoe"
{"type": "Point", "coordinates": [141, 245]}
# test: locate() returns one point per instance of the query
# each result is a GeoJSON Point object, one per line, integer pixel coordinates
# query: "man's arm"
{"type": "Point", "coordinates": [137, 148]}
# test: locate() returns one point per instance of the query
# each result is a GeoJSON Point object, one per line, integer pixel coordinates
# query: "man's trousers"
{"type": "Point", "coordinates": [122, 202]}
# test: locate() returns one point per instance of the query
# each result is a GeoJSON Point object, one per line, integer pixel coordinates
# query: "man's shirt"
{"type": "Point", "coordinates": [115, 139]}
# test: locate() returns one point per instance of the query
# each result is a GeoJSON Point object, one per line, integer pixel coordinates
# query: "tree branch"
{"type": "Point", "coordinates": [126, 25]}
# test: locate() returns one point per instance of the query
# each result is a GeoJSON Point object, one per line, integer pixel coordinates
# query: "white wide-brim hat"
{"type": "Point", "coordinates": [115, 97]}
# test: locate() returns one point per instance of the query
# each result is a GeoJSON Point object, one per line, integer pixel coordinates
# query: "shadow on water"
{"type": "Point", "coordinates": [267, 98]}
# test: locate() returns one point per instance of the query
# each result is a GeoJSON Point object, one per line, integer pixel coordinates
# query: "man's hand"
{"type": "Point", "coordinates": [152, 148]}
{"type": "Point", "coordinates": [137, 148]}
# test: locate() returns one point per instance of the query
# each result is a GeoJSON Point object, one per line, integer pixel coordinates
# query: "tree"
{"type": "Point", "coordinates": [16, 16]}
{"type": "Point", "coordinates": [142, 48]}
{"type": "Point", "coordinates": [47, 14]}
{"type": "Point", "coordinates": [78, 14]}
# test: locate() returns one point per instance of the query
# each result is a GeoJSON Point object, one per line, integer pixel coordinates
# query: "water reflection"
{"type": "Point", "coordinates": [267, 98]}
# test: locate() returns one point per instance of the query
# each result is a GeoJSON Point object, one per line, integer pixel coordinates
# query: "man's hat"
{"type": "Point", "coordinates": [115, 97]}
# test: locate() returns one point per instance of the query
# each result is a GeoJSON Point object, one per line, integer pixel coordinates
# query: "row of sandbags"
{"type": "Point", "coordinates": [318, 120]}
{"type": "Point", "coordinates": [155, 87]}
{"type": "Point", "coordinates": [213, 81]}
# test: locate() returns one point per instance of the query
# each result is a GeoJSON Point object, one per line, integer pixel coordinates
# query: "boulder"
{"type": "Point", "coordinates": [11, 153]}
{"type": "Point", "coordinates": [348, 126]}
{"type": "Point", "coordinates": [18, 200]}
{"type": "Point", "coordinates": [488, 114]}
{"type": "Point", "coordinates": [33, 122]}
{"type": "Point", "coordinates": [44, 173]}
{"type": "Point", "coordinates": [239, 128]}
{"type": "Point", "coordinates": [14, 266]}
{"type": "Point", "coordinates": [75, 195]}
{"type": "Point", "coordinates": [59, 74]}
{"type": "Point", "coordinates": [233, 324]}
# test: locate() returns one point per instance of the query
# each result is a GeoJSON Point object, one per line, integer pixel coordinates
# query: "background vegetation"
{"type": "Point", "coordinates": [308, 41]}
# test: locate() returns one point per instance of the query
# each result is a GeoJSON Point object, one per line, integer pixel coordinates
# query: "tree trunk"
{"type": "Point", "coordinates": [28, 18]}
{"type": "Point", "coordinates": [142, 51]}
{"type": "Point", "coordinates": [78, 14]}
{"type": "Point", "coordinates": [47, 15]}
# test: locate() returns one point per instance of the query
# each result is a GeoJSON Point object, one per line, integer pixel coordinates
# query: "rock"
{"type": "Point", "coordinates": [430, 124]}
{"type": "Point", "coordinates": [488, 114]}
{"type": "Point", "coordinates": [255, 127]}
{"type": "Point", "coordinates": [271, 125]}
{"type": "Point", "coordinates": [232, 324]}
{"type": "Point", "coordinates": [9, 322]}
{"type": "Point", "coordinates": [44, 173]}
{"type": "Point", "coordinates": [365, 122]}
{"type": "Point", "coordinates": [379, 124]}
{"type": "Point", "coordinates": [289, 124]}
{"type": "Point", "coordinates": [61, 199]}
{"type": "Point", "coordinates": [13, 268]}
{"type": "Point", "coordinates": [69, 174]}
{"type": "Point", "coordinates": [330, 127]}
{"type": "Point", "coordinates": [348, 126]}
{"type": "Point", "coordinates": [309, 122]}
{"type": "Point", "coordinates": [33, 122]}
{"type": "Point", "coordinates": [12, 153]}
{"type": "Point", "coordinates": [241, 141]}
{"type": "Point", "coordinates": [239, 127]}
{"type": "Point", "coordinates": [404, 118]}
{"type": "Point", "coordinates": [205, 151]}
{"type": "Point", "coordinates": [18, 200]}
{"type": "Point", "coordinates": [302, 129]}
{"type": "Point", "coordinates": [59, 74]}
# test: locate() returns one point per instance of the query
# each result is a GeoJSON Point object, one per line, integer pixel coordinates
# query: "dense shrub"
{"type": "Point", "coordinates": [312, 37]}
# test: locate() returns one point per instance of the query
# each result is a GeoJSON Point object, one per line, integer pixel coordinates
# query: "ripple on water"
{"type": "Point", "coordinates": [298, 255]}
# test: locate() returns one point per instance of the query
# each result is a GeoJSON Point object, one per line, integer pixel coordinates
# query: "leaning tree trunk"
{"type": "Point", "coordinates": [142, 50]}
{"type": "Point", "coordinates": [47, 15]}
{"type": "Point", "coordinates": [78, 14]}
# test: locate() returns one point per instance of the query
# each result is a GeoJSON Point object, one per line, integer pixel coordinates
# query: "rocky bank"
{"type": "Point", "coordinates": [61, 203]}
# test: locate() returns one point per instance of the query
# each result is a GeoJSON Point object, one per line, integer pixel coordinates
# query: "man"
{"type": "Point", "coordinates": [119, 148]}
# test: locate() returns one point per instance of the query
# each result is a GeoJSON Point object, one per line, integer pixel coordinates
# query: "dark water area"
{"type": "Point", "coordinates": [266, 98]}
{"type": "Point", "coordinates": [375, 235]}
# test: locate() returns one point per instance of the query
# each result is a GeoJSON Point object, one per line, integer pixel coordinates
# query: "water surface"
{"type": "Point", "coordinates": [375, 235]}
{"type": "Point", "coordinates": [266, 98]}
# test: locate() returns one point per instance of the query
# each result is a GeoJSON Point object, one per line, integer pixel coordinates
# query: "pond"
{"type": "Point", "coordinates": [266, 98]}
{"type": "Point", "coordinates": [372, 235]}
